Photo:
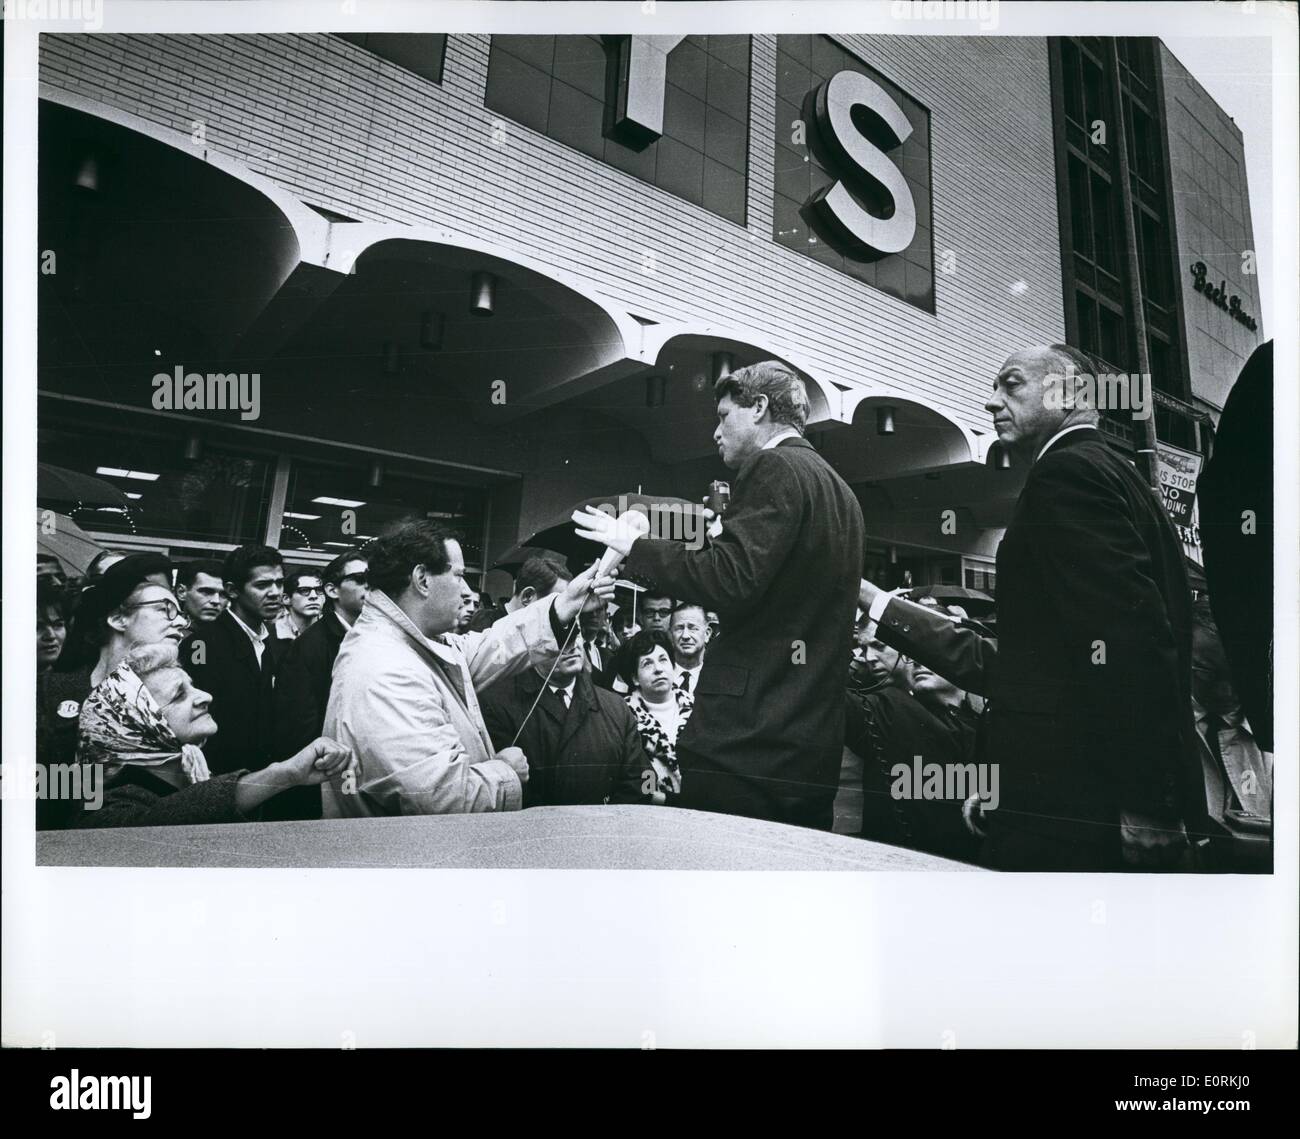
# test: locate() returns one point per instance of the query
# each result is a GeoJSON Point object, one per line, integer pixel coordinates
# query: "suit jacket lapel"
{"type": "Point", "coordinates": [582, 705]}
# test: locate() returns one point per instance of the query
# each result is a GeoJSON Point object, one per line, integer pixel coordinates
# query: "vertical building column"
{"type": "Point", "coordinates": [1147, 448]}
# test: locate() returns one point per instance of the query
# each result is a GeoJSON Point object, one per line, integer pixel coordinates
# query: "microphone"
{"type": "Point", "coordinates": [629, 519]}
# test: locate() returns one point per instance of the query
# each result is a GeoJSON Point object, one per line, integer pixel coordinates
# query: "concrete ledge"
{"type": "Point", "coordinates": [549, 838]}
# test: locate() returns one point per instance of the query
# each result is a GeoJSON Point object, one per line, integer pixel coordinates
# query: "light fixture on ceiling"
{"type": "Point", "coordinates": [482, 294]}
{"type": "Point", "coordinates": [432, 326]}
{"type": "Point", "coordinates": [193, 446]}
{"type": "Point", "coordinates": [121, 473]}
{"type": "Point", "coordinates": [885, 420]}
{"type": "Point", "coordinates": [376, 479]}
{"type": "Point", "coordinates": [1001, 457]}
{"type": "Point", "coordinates": [724, 363]}
{"type": "Point", "coordinates": [326, 500]}
{"type": "Point", "coordinates": [87, 177]}
{"type": "Point", "coordinates": [655, 388]}
{"type": "Point", "coordinates": [301, 517]}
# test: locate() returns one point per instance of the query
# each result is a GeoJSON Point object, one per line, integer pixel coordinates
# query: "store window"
{"type": "Point", "coordinates": [417, 52]}
{"type": "Point", "coordinates": [175, 487]}
{"type": "Point", "coordinates": [330, 507]}
{"type": "Point", "coordinates": [565, 87]}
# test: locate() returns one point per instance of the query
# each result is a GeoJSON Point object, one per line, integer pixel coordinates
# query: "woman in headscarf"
{"type": "Point", "coordinates": [146, 724]}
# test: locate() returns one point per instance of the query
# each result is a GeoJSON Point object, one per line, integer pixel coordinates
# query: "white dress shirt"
{"type": "Point", "coordinates": [258, 639]}
{"type": "Point", "coordinates": [1065, 431]}
{"type": "Point", "coordinates": [788, 433]}
{"type": "Point", "coordinates": [692, 677]}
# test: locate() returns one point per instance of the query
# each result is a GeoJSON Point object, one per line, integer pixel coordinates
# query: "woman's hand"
{"type": "Point", "coordinates": [319, 762]}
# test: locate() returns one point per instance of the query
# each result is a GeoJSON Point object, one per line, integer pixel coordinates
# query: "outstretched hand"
{"type": "Point", "coordinates": [569, 603]}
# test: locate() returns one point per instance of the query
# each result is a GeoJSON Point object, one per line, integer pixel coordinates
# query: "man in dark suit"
{"type": "Point", "coordinates": [302, 680]}
{"type": "Point", "coordinates": [1089, 679]}
{"type": "Point", "coordinates": [234, 659]}
{"type": "Point", "coordinates": [767, 734]}
{"type": "Point", "coordinates": [581, 741]}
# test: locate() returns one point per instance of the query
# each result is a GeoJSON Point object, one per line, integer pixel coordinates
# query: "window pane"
{"type": "Point", "coordinates": [417, 52]}
{"type": "Point", "coordinates": [1080, 211]}
{"type": "Point", "coordinates": [330, 507]}
{"type": "Point", "coordinates": [1086, 308]}
{"type": "Point", "coordinates": [221, 496]}
{"type": "Point", "coordinates": [1103, 224]}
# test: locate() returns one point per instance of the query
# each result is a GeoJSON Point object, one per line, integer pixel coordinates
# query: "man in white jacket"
{"type": "Point", "coordinates": [402, 697]}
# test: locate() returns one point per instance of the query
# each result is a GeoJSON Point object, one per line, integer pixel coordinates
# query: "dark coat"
{"type": "Point", "coordinates": [302, 684]}
{"type": "Point", "coordinates": [243, 699]}
{"type": "Point", "coordinates": [1239, 564]}
{"type": "Point", "coordinates": [585, 754]}
{"type": "Point", "coordinates": [136, 798]}
{"type": "Point", "coordinates": [1090, 677]}
{"type": "Point", "coordinates": [59, 697]}
{"type": "Point", "coordinates": [767, 733]}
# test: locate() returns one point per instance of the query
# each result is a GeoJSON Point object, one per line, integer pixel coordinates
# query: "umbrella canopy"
{"type": "Point", "coordinates": [514, 558]}
{"type": "Point", "coordinates": [58, 486]}
{"type": "Point", "coordinates": [60, 537]}
{"type": "Point", "coordinates": [669, 518]}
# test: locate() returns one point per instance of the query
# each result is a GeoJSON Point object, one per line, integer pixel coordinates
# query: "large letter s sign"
{"type": "Point", "coordinates": [861, 156]}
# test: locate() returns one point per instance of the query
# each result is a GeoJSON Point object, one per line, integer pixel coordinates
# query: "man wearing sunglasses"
{"type": "Point", "coordinates": [302, 684]}
{"type": "Point", "coordinates": [304, 596]}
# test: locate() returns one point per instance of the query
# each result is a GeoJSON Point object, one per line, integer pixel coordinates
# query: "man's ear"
{"type": "Point", "coordinates": [527, 595]}
{"type": "Point", "coordinates": [761, 406]}
{"type": "Point", "coordinates": [331, 590]}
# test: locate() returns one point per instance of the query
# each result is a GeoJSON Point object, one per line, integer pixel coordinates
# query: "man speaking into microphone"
{"type": "Point", "coordinates": [767, 733]}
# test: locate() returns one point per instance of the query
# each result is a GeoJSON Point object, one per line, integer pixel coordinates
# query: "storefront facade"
{"type": "Point", "coordinates": [480, 278]}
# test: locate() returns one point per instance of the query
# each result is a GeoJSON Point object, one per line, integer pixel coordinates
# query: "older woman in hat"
{"type": "Point", "coordinates": [146, 723]}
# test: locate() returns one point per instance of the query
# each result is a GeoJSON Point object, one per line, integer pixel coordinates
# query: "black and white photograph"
{"type": "Point", "coordinates": [722, 485]}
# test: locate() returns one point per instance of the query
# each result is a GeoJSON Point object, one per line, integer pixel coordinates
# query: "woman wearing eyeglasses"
{"type": "Point", "coordinates": [146, 724]}
{"type": "Point", "coordinates": [130, 604]}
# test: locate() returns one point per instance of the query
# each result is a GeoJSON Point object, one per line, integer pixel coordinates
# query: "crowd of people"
{"type": "Point", "coordinates": [208, 691]}
{"type": "Point", "coordinates": [730, 679]}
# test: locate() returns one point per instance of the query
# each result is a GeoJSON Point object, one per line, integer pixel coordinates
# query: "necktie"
{"type": "Point", "coordinates": [684, 682]}
{"type": "Point", "coordinates": [563, 694]}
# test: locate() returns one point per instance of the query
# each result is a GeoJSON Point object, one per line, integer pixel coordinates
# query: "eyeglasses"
{"type": "Point", "coordinates": [358, 578]}
{"type": "Point", "coordinates": [308, 590]}
{"type": "Point", "coordinates": [649, 612]}
{"type": "Point", "coordinates": [170, 609]}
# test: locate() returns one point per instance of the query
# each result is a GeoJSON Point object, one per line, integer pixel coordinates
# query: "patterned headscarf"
{"type": "Point", "coordinates": [121, 724]}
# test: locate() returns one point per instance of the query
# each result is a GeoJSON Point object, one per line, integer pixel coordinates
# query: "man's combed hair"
{"type": "Point", "coordinates": [241, 562]}
{"type": "Point", "coordinates": [787, 398]}
{"type": "Point", "coordinates": [1082, 363]}
{"type": "Point", "coordinates": [393, 556]}
{"type": "Point", "coordinates": [542, 574]}
{"type": "Point", "coordinates": [644, 643]}
{"type": "Point", "coordinates": [333, 573]}
{"type": "Point", "coordinates": [295, 575]}
{"type": "Point", "coordinates": [189, 572]}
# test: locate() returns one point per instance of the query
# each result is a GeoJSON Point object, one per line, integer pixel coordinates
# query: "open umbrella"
{"type": "Point", "coordinates": [58, 486]}
{"type": "Point", "coordinates": [59, 536]}
{"type": "Point", "coordinates": [515, 557]}
{"type": "Point", "coordinates": [669, 517]}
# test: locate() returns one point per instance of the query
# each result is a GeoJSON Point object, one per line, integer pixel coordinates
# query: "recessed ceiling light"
{"type": "Point", "coordinates": [302, 517]}
{"type": "Point", "coordinates": [326, 500]}
{"type": "Point", "coordinates": [120, 473]}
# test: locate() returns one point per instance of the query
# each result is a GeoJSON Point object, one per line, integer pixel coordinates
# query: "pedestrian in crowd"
{"type": "Point", "coordinates": [234, 658]}
{"type": "Point", "coordinates": [51, 622]}
{"type": "Point", "coordinates": [581, 741]}
{"type": "Point", "coordinates": [655, 611]}
{"type": "Point", "coordinates": [201, 591]}
{"type": "Point", "coordinates": [593, 627]}
{"type": "Point", "coordinates": [302, 682]}
{"type": "Point", "coordinates": [689, 632]}
{"type": "Point", "coordinates": [404, 691]}
{"type": "Point", "coordinates": [304, 601]}
{"type": "Point", "coordinates": [715, 624]}
{"type": "Point", "coordinates": [1090, 713]}
{"type": "Point", "coordinates": [538, 577]}
{"type": "Point", "coordinates": [766, 738]}
{"type": "Point", "coordinates": [129, 605]}
{"type": "Point", "coordinates": [468, 608]}
{"type": "Point", "coordinates": [48, 566]}
{"type": "Point", "coordinates": [147, 724]}
{"type": "Point", "coordinates": [623, 623]}
{"type": "Point", "coordinates": [660, 709]}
